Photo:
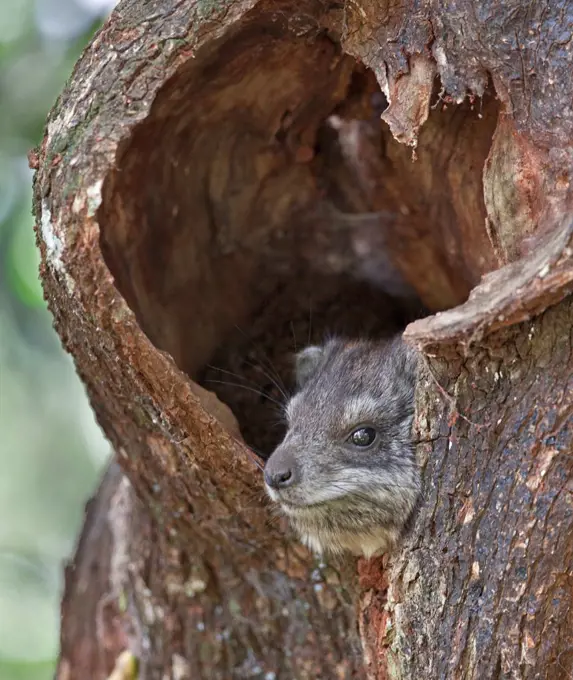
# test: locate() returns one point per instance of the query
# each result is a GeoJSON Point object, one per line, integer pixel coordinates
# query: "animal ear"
{"type": "Point", "coordinates": [306, 363]}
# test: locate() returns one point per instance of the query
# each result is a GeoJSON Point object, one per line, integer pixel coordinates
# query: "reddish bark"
{"type": "Point", "coordinates": [210, 165]}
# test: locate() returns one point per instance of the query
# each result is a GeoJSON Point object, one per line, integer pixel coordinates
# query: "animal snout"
{"type": "Point", "coordinates": [280, 470]}
{"type": "Point", "coordinates": [279, 479]}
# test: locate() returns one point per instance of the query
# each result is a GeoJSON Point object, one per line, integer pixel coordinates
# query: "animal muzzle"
{"type": "Point", "coordinates": [281, 470]}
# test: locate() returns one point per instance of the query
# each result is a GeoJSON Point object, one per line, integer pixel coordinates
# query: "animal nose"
{"type": "Point", "coordinates": [281, 469]}
{"type": "Point", "coordinates": [279, 479]}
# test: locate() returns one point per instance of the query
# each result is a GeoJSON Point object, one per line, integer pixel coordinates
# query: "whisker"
{"type": "Point", "coordinates": [252, 382]}
{"type": "Point", "coordinates": [232, 373]}
{"type": "Point", "coordinates": [252, 454]}
{"type": "Point", "coordinates": [258, 453]}
{"type": "Point", "coordinates": [246, 387]}
{"type": "Point", "coordinates": [256, 461]}
{"type": "Point", "coordinates": [274, 381]}
{"type": "Point", "coordinates": [354, 494]}
{"type": "Point", "coordinates": [269, 363]}
{"type": "Point", "coordinates": [293, 336]}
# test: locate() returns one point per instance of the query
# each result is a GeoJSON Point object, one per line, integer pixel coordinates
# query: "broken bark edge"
{"type": "Point", "coordinates": [507, 296]}
{"type": "Point", "coordinates": [68, 229]}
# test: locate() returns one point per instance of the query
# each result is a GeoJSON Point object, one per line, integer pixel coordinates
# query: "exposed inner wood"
{"type": "Point", "coordinates": [222, 208]}
{"type": "Point", "coordinates": [264, 204]}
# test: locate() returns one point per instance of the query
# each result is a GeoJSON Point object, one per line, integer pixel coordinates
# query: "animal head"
{"type": "Point", "coordinates": [347, 455]}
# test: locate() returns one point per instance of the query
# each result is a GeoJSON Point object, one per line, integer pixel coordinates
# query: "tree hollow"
{"type": "Point", "coordinates": [223, 182]}
{"type": "Point", "coordinates": [262, 203]}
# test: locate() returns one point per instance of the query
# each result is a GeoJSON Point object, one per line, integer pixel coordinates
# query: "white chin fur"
{"type": "Point", "coordinates": [374, 543]}
{"type": "Point", "coordinates": [273, 495]}
{"type": "Point", "coordinates": [376, 540]}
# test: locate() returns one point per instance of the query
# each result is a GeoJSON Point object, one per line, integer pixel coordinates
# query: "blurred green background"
{"type": "Point", "coordinates": [51, 450]}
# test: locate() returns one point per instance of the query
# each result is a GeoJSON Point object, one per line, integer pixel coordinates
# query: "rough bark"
{"type": "Point", "coordinates": [221, 164]}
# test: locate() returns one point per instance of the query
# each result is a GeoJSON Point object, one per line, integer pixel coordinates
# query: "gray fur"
{"type": "Point", "coordinates": [307, 361]}
{"type": "Point", "coordinates": [344, 499]}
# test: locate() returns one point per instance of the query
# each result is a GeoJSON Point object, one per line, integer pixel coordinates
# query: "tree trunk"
{"type": "Point", "coordinates": [215, 180]}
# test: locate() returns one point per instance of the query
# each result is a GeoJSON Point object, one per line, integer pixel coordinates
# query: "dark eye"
{"type": "Point", "coordinates": [362, 437]}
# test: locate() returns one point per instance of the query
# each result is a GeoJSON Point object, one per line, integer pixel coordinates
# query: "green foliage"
{"type": "Point", "coordinates": [23, 260]}
{"type": "Point", "coordinates": [51, 451]}
{"type": "Point", "coordinates": [20, 670]}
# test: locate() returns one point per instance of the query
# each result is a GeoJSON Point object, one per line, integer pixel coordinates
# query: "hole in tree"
{"type": "Point", "coordinates": [238, 229]}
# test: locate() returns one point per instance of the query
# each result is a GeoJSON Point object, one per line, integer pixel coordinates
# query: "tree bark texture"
{"type": "Point", "coordinates": [214, 180]}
